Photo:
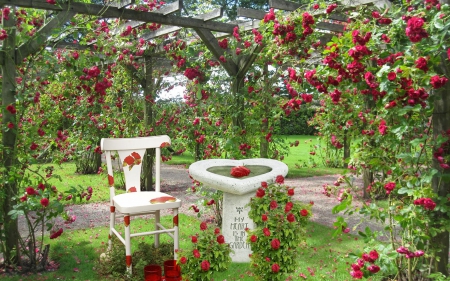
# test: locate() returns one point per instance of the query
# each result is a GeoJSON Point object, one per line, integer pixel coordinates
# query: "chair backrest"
{"type": "Point", "coordinates": [131, 155]}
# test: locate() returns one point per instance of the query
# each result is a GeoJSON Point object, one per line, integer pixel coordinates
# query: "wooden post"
{"type": "Point", "coordinates": [8, 156]}
{"type": "Point", "coordinates": [441, 124]}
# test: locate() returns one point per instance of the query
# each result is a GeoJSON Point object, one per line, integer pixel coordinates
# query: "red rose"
{"type": "Point", "coordinates": [239, 171]}
{"type": "Point", "coordinates": [421, 63]}
{"type": "Point", "coordinates": [275, 268]}
{"type": "Point", "coordinates": [224, 43]}
{"type": "Point", "coordinates": [373, 255]}
{"type": "Point", "coordinates": [304, 212]}
{"type": "Point", "coordinates": [205, 265]}
{"type": "Point", "coordinates": [391, 76]}
{"type": "Point", "coordinates": [264, 217]}
{"type": "Point", "coordinates": [183, 260]}
{"type": "Point", "coordinates": [264, 184]}
{"type": "Point", "coordinates": [196, 253]}
{"type": "Point", "coordinates": [266, 231]}
{"type": "Point", "coordinates": [438, 82]}
{"type": "Point", "coordinates": [279, 179]}
{"type": "Point", "coordinates": [203, 226]}
{"type": "Point", "coordinates": [290, 217]}
{"type": "Point", "coordinates": [275, 244]}
{"type": "Point", "coordinates": [389, 187]}
{"type": "Point", "coordinates": [30, 191]}
{"type": "Point", "coordinates": [253, 238]}
{"type": "Point", "coordinates": [216, 230]}
{"type": "Point", "coordinates": [194, 239]}
{"type": "Point", "coordinates": [44, 202]}
{"type": "Point", "coordinates": [288, 207]}
{"type": "Point", "coordinates": [220, 239]}
{"type": "Point", "coordinates": [56, 234]}
{"type": "Point", "coordinates": [290, 192]}
{"type": "Point", "coordinates": [273, 204]}
{"type": "Point", "coordinates": [260, 193]}
{"type": "Point", "coordinates": [373, 268]}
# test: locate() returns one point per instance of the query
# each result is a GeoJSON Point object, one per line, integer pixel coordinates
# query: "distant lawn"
{"type": "Point", "coordinates": [299, 160]}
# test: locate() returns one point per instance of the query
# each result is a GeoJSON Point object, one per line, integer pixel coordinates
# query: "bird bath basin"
{"type": "Point", "coordinates": [237, 192]}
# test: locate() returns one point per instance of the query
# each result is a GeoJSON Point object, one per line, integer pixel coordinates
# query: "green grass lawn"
{"type": "Point", "coordinates": [298, 160]}
{"type": "Point", "coordinates": [322, 257]}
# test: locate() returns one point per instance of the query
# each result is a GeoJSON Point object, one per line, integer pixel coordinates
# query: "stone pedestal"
{"type": "Point", "coordinates": [234, 222]}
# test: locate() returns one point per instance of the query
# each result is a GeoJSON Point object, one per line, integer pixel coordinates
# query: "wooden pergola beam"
{"type": "Point", "coordinates": [41, 37]}
{"type": "Point", "coordinates": [213, 45]}
{"type": "Point", "coordinates": [127, 14]}
{"type": "Point", "coordinates": [214, 14]}
{"type": "Point", "coordinates": [165, 10]}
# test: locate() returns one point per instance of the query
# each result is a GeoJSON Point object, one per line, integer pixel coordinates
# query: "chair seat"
{"type": "Point", "coordinates": [139, 202]}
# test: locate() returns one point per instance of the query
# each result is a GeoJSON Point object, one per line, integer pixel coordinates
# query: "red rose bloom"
{"type": "Point", "coordinates": [290, 192]}
{"type": "Point", "coordinates": [288, 207]}
{"type": "Point", "coordinates": [438, 82]}
{"type": "Point", "coordinates": [194, 239]}
{"type": "Point", "coordinates": [260, 193]}
{"type": "Point", "coordinates": [275, 268]}
{"type": "Point", "coordinates": [389, 187]}
{"type": "Point", "coordinates": [183, 260]}
{"type": "Point", "coordinates": [373, 255]}
{"type": "Point", "coordinates": [264, 184]}
{"type": "Point", "coordinates": [273, 204]}
{"type": "Point", "coordinates": [30, 191]}
{"type": "Point", "coordinates": [216, 230]}
{"type": "Point", "coordinates": [275, 244]}
{"type": "Point", "coordinates": [290, 217]}
{"type": "Point", "coordinates": [279, 179]}
{"type": "Point", "coordinates": [266, 231]}
{"type": "Point", "coordinates": [56, 234]}
{"type": "Point", "coordinates": [205, 265]}
{"type": "Point", "coordinates": [203, 226]}
{"type": "Point", "coordinates": [264, 217]}
{"type": "Point", "coordinates": [44, 202]}
{"type": "Point", "coordinates": [220, 239]}
{"type": "Point", "coordinates": [239, 171]}
{"type": "Point", "coordinates": [253, 238]}
{"type": "Point", "coordinates": [373, 268]}
{"type": "Point", "coordinates": [196, 253]}
{"type": "Point", "coordinates": [304, 212]}
{"type": "Point", "coordinates": [391, 76]}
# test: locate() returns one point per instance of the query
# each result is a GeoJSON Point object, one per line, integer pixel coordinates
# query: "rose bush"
{"type": "Point", "coordinates": [280, 228]}
{"type": "Point", "coordinates": [209, 253]}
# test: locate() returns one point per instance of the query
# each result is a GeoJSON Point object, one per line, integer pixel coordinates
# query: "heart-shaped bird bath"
{"type": "Point", "coordinates": [215, 173]}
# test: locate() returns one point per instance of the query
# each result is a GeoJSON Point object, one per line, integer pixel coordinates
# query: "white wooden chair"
{"type": "Point", "coordinates": [136, 202]}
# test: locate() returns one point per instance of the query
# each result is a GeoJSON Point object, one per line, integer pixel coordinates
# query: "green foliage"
{"type": "Point", "coordinates": [280, 229]}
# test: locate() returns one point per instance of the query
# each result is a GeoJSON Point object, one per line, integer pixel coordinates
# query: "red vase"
{"type": "Point", "coordinates": [172, 271]}
{"type": "Point", "coordinates": [152, 272]}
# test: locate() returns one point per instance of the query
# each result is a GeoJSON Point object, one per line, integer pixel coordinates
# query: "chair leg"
{"type": "Point", "coordinates": [175, 234]}
{"type": "Point", "coordinates": [126, 220]}
{"type": "Point", "coordinates": [112, 220]}
{"type": "Point", "coordinates": [157, 220]}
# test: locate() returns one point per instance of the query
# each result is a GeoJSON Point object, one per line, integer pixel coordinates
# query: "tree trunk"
{"type": "Point", "coordinates": [441, 124]}
{"type": "Point", "coordinates": [346, 149]}
{"type": "Point", "coordinates": [368, 179]}
{"type": "Point", "coordinates": [148, 122]}
{"type": "Point", "coordinates": [8, 156]}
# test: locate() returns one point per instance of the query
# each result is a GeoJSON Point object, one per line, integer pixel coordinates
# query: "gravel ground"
{"type": "Point", "coordinates": [175, 181]}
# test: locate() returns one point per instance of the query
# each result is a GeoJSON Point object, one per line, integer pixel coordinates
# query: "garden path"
{"type": "Point", "coordinates": [175, 181]}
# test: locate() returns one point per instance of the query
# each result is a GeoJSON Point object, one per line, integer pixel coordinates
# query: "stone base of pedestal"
{"type": "Point", "coordinates": [234, 222]}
